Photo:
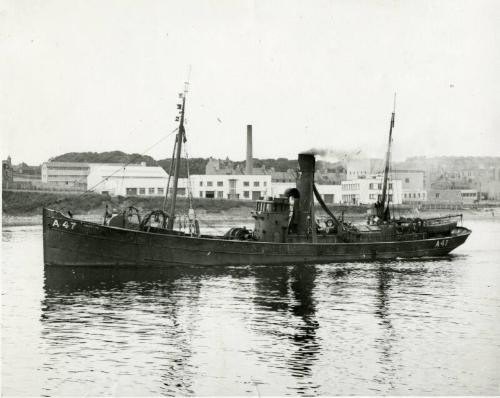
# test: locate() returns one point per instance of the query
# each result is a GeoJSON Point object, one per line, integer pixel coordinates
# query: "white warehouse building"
{"type": "Point", "coordinates": [231, 186]}
{"type": "Point", "coordinates": [132, 180]}
{"type": "Point", "coordinates": [330, 193]}
{"type": "Point", "coordinates": [368, 190]}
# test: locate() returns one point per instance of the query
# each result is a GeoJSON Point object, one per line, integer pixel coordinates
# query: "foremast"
{"type": "Point", "coordinates": [383, 208]}
{"type": "Point", "coordinates": [181, 137]}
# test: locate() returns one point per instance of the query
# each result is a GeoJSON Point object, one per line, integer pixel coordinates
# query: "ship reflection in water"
{"type": "Point", "coordinates": [354, 328]}
{"type": "Point", "coordinates": [170, 312]}
{"type": "Point", "coordinates": [403, 327]}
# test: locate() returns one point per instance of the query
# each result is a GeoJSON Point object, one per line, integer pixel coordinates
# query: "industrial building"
{"type": "Point", "coordinates": [469, 196]}
{"type": "Point", "coordinates": [369, 190]}
{"type": "Point", "coordinates": [234, 186]}
{"type": "Point", "coordinates": [224, 181]}
{"type": "Point", "coordinates": [67, 174]}
{"type": "Point", "coordinates": [331, 194]}
{"type": "Point", "coordinates": [413, 183]}
{"type": "Point", "coordinates": [132, 180]}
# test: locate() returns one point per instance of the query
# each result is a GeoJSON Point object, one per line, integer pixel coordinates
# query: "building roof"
{"type": "Point", "coordinates": [85, 164]}
{"type": "Point", "coordinates": [66, 164]}
{"type": "Point", "coordinates": [407, 171]}
{"type": "Point", "coordinates": [120, 171]}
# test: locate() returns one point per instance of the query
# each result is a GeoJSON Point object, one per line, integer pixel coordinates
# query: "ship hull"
{"type": "Point", "coordinates": [70, 242]}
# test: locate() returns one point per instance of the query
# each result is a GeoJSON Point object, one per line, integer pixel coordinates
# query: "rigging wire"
{"type": "Point", "coordinates": [129, 162]}
{"type": "Point", "coordinates": [90, 190]}
{"type": "Point", "coordinates": [188, 185]}
{"type": "Point", "coordinates": [212, 226]}
{"type": "Point", "coordinates": [165, 199]}
{"type": "Point", "coordinates": [393, 175]}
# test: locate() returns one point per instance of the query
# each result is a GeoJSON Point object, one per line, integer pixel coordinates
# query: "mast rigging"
{"type": "Point", "coordinates": [181, 137]}
{"type": "Point", "coordinates": [384, 202]}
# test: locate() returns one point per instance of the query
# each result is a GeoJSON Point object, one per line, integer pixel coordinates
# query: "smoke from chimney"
{"type": "Point", "coordinates": [335, 155]}
{"type": "Point", "coordinates": [249, 161]}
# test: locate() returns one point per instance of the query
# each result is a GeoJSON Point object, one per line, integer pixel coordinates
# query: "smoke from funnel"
{"type": "Point", "coordinates": [335, 155]}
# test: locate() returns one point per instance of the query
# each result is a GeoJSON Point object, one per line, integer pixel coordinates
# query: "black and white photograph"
{"type": "Point", "coordinates": [250, 198]}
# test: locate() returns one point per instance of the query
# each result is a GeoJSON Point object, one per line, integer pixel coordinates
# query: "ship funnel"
{"type": "Point", "coordinates": [306, 223]}
{"type": "Point", "coordinates": [307, 162]}
{"type": "Point", "coordinates": [249, 161]}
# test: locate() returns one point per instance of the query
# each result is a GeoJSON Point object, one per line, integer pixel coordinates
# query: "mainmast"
{"type": "Point", "coordinates": [385, 216]}
{"type": "Point", "coordinates": [181, 137]}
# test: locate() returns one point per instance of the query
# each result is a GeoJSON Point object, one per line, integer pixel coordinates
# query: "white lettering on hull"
{"type": "Point", "coordinates": [65, 224]}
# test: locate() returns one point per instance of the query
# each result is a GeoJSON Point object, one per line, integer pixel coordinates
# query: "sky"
{"type": "Point", "coordinates": [105, 75]}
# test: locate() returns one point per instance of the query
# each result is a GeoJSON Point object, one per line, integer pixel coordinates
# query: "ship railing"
{"type": "Point", "coordinates": [390, 237]}
{"type": "Point", "coordinates": [443, 219]}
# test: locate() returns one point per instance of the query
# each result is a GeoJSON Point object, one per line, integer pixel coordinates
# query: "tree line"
{"type": "Point", "coordinates": [196, 165]}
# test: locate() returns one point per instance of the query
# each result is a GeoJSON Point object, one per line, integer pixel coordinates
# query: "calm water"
{"type": "Point", "coordinates": [402, 327]}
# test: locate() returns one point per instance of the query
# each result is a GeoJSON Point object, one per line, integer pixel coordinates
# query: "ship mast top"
{"type": "Point", "coordinates": [384, 202]}
{"type": "Point", "coordinates": [181, 137]}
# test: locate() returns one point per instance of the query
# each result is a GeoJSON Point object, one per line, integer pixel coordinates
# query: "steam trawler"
{"type": "Point", "coordinates": [286, 231]}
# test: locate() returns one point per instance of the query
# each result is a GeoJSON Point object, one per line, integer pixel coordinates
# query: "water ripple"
{"type": "Point", "coordinates": [398, 327]}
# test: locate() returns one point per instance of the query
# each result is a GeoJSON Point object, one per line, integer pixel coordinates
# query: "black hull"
{"type": "Point", "coordinates": [71, 242]}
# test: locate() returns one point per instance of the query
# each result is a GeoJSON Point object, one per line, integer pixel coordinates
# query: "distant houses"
{"type": "Point", "coordinates": [354, 183]}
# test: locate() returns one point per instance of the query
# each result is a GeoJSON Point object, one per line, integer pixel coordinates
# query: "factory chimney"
{"type": "Point", "coordinates": [249, 162]}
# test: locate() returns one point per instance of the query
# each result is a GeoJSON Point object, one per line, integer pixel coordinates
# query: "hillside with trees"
{"type": "Point", "coordinates": [104, 157]}
{"type": "Point", "coordinates": [196, 165]}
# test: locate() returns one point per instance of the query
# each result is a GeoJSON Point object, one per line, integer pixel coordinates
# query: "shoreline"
{"type": "Point", "coordinates": [243, 216]}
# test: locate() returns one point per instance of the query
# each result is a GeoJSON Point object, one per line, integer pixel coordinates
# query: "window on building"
{"type": "Point", "coordinates": [209, 183]}
{"type": "Point", "coordinates": [372, 185]}
{"type": "Point", "coordinates": [390, 185]}
{"type": "Point", "coordinates": [160, 191]}
{"type": "Point", "coordinates": [220, 183]}
{"type": "Point", "coordinates": [265, 183]}
{"type": "Point", "coordinates": [220, 194]}
{"type": "Point", "coordinates": [390, 197]}
{"type": "Point", "coordinates": [151, 191]}
{"type": "Point", "coordinates": [407, 180]}
{"type": "Point", "coordinates": [246, 194]}
{"type": "Point", "coordinates": [437, 194]}
{"type": "Point", "coordinates": [201, 183]}
{"type": "Point", "coordinates": [210, 194]}
{"type": "Point", "coordinates": [379, 186]}
{"type": "Point", "coordinates": [246, 183]}
{"type": "Point", "coordinates": [256, 183]}
{"type": "Point", "coordinates": [201, 194]}
{"type": "Point", "coordinates": [142, 191]}
{"type": "Point", "coordinates": [328, 198]}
